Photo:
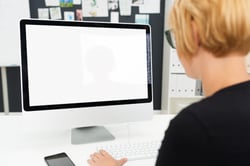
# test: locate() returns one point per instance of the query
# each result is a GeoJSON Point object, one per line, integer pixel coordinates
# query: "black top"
{"type": "Point", "coordinates": [214, 131]}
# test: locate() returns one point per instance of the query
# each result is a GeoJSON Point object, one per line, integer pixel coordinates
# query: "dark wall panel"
{"type": "Point", "coordinates": [157, 24]}
{"type": "Point", "coordinates": [1, 94]}
{"type": "Point", "coordinates": [14, 89]}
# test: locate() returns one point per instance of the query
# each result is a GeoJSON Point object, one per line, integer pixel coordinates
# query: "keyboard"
{"type": "Point", "coordinates": [133, 150]}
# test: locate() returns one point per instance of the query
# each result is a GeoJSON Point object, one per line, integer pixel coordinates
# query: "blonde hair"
{"type": "Point", "coordinates": [223, 25]}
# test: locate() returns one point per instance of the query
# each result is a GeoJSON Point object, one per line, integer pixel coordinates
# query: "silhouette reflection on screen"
{"type": "Point", "coordinates": [104, 78]}
{"type": "Point", "coordinates": [100, 62]}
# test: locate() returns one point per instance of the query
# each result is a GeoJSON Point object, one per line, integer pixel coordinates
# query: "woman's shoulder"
{"type": "Point", "coordinates": [231, 102]}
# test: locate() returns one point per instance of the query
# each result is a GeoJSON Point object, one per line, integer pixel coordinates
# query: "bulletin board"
{"type": "Point", "coordinates": [156, 20]}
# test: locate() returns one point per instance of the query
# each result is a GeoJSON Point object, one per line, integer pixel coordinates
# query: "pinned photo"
{"type": "Point", "coordinates": [69, 16]}
{"type": "Point", "coordinates": [66, 3]}
{"type": "Point", "coordinates": [79, 16]}
{"type": "Point", "coordinates": [137, 2]}
{"type": "Point", "coordinates": [142, 18]}
{"type": "Point", "coordinates": [113, 4]}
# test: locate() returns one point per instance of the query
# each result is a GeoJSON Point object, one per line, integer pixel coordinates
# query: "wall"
{"type": "Point", "coordinates": [10, 90]}
{"type": "Point", "coordinates": [10, 13]}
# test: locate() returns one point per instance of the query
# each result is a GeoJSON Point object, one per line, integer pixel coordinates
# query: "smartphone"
{"type": "Point", "coordinates": [60, 159]}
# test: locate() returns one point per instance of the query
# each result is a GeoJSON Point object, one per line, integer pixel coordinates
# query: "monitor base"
{"type": "Point", "coordinates": [91, 134]}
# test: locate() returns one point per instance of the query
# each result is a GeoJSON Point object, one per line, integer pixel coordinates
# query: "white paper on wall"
{"type": "Point", "coordinates": [77, 2]}
{"type": "Point", "coordinates": [137, 2]}
{"type": "Point", "coordinates": [125, 7]}
{"type": "Point", "coordinates": [55, 13]}
{"type": "Point", "coordinates": [150, 6]}
{"type": "Point", "coordinates": [52, 2]}
{"type": "Point", "coordinates": [95, 8]}
{"type": "Point", "coordinates": [43, 13]}
{"type": "Point", "coordinates": [113, 4]}
{"type": "Point", "coordinates": [114, 17]}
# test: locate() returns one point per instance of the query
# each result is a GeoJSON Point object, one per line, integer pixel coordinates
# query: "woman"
{"type": "Point", "coordinates": [212, 38]}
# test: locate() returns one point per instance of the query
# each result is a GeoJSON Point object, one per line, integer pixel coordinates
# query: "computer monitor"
{"type": "Point", "coordinates": [84, 74]}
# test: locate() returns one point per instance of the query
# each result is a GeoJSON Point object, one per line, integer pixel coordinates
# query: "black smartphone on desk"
{"type": "Point", "coordinates": [60, 159]}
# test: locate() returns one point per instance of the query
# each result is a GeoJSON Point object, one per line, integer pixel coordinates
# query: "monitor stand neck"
{"type": "Point", "coordinates": [91, 134]}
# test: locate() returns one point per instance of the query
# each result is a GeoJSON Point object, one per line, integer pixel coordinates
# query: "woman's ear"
{"type": "Point", "coordinates": [195, 34]}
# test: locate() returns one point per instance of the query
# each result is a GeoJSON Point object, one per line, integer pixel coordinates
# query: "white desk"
{"type": "Point", "coordinates": [25, 145]}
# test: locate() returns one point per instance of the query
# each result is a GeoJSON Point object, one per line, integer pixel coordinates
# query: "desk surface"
{"type": "Point", "coordinates": [25, 145]}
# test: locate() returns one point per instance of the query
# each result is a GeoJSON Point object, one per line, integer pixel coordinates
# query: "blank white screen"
{"type": "Point", "coordinates": [85, 64]}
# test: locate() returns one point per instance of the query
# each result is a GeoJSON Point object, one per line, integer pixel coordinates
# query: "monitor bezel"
{"type": "Point", "coordinates": [24, 63]}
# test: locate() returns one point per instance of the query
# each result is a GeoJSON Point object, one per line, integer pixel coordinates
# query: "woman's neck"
{"type": "Point", "coordinates": [219, 73]}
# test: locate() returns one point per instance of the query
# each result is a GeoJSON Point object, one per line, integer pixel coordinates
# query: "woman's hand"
{"type": "Point", "coordinates": [103, 158]}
